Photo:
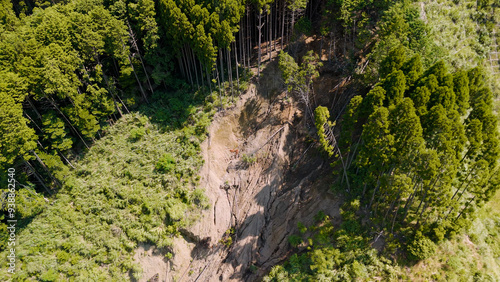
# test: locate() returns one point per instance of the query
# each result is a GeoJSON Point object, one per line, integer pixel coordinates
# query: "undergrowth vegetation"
{"type": "Point", "coordinates": [473, 254]}
{"type": "Point", "coordinates": [326, 253]}
{"type": "Point", "coordinates": [334, 254]}
{"type": "Point", "coordinates": [136, 184]}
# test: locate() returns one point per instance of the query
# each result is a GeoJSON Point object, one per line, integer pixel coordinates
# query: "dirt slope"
{"type": "Point", "coordinates": [262, 179]}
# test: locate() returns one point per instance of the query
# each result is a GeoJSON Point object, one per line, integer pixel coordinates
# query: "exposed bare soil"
{"type": "Point", "coordinates": [262, 178]}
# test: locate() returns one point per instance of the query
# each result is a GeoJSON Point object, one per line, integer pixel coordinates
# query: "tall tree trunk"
{"type": "Point", "coordinates": [375, 190]}
{"type": "Point", "coordinates": [111, 90]}
{"type": "Point", "coordinates": [37, 176]}
{"type": "Point", "coordinates": [193, 59]}
{"type": "Point", "coordinates": [33, 107]}
{"type": "Point", "coordinates": [321, 48]}
{"type": "Point", "coordinates": [229, 69]}
{"type": "Point", "coordinates": [134, 44]}
{"type": "Point", "coordinates": [188, 66]}
{"type": "Point", "coordinates": [208, 79]}
{"type": "Point", "coordinates": [249, 31]}
{"type": "Point", "coordinates": [283, 16]}
{"type": "Point", "coordinates": [137, 79]}
{"type": "Point", "coordinates": [466, 206]}
{"type": "Point", "coordinates": [395, 215]}
{"type": "Point", "coordinates": [270, 44]}
{"type": "Point", "coordinates": [241, 41]}
{"type": "Point", "coordinates": [330, 50]}
{"type": "Point", "coordinates": [181, 66]}
{"type": "Point", "coordinates": [220, 91]}
{"type": "Point", "coordinates": [409, 202]}
{"type": "Point", "coordinates": [259, 27]}
{"type": "Point", "coordinates": [66, 159]}
{"type": "Point", "coordinates": [201, 74]}
{"type": "Point", "coordinates": [66, 119]}
{"type": "Point", "coordinates": [56, 181]}
{"type": "Point", "coordinates": [237, 67]}
{"type": "Point", "coordinates": [221, 65]}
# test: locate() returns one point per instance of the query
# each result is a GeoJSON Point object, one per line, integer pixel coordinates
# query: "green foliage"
{"type": "Point", "coordinates": [421, 247]}
{"type": "Point", "coordinates": [289, 68]}
{"type": "Point", "coordinates": [303, 26]}
{"type": "Point", "coordinates": [248, 159]}
{"type": "Point", "coordinates": [418, 162]}
{"type": "Point", "coordinates": [294, 240]}
{"type": "Point", "coordinates": [302, 228]}
{"type": "Point", "coordinates": [17, 139]}
{"type": "Point", "coordinates": [166, 163]}
{"type": "Point", "coordinates": [227, 239]}
{"type": "Point", "coordinates": [344, 256]}
{"type": "Point", "coordinates": [416, 129]}
{"type": "Point", "coordinates": [50, 275]}
{"type": "Point", "coordinates": [299, 78]}
{"type": "Point", "coordinates": [55, 132]}
{"type": "Point", "coordinates": [321, 116]}
{"type": "Point", "coordinates": [136, 134]}
{"type": "Point", "coordinates": [109, 203]}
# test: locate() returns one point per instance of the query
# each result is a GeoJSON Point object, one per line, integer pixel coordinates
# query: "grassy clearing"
{"type": "Point", "coordinates": [136, 184]}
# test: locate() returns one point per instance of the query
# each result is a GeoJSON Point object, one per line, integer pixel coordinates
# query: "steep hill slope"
{"type": "Point", "coordinates": [262, 179]}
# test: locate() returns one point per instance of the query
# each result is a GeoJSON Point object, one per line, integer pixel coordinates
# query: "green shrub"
{"type": "Point", "coordinates": [253, 268]}
{"type": "Point", "coordinates": [454, 263]}
{"type": "Point", "coordinates": [50, 275]}
{"type": "Point", "coordinates": [136, 134]}
{"type": "Point", "coordinates": [304, 26]}
{"type": "Point", "coordinates": [199, 198]}
{"type": "Point", "coordinates": [62, 257]}
{"type": "Point", "coordinates": [165, 164]}
{"type": "Point", "coordinates": [248, 159]}
{"type": "Point", "coordinates": [302, 228]}
{"type": "Point", "coordinates": [358, 270]}
{"type": "Point", "coordinates": [319, 217]}
{"type": "Point", "coordinates": [294, 240]}
{"type": "Point", "coordinates": [421, 247]}
{"type": "Point", "coordinates": [169, 255]}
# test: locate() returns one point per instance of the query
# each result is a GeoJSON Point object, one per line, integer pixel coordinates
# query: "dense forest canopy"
{"type": "Point", "coordinates": [414, 142]}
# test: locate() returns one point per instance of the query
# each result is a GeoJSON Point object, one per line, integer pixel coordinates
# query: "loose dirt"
{"type": "Point", "coordinates": [262, 178]}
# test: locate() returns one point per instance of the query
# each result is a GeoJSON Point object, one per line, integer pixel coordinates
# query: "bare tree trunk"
{"type": "Point", "coordinates": [186, 63]}
{"type": "Point", "coordinates": [37, 176]}
{"type": "Point", "coordinates": [330, 50]}
{"type": "Point", "coordinates": [134, 44]}
{"type": "Point", "coordinates": [237, 67]}
{"type": "Point", "coordinates": [270, 44]}
{"type": "Point", "coordinates": [201, 73]}
{"type": "Point", "coordinates": [259, 27]}
{"type": "Point", "coordinates": [66, 119]}
{"type": "Point", "coordinates": [466, 206]}
{"type": "Point", "coordinates": [193, 59]}
{"type": "Point", "coordinates": [66, 159]}
{"type": "Point", "coordinates": [46, 169]}
{"type": "Point", "coordinates": [137, 78]}
{"type": "Point", "coordinates": [230, 69]}
{"type": "Point", "coordinates": [242, 42]}
{"type": "Point", "coordinates": [208, 79]}
{"type": "Point", "coordinates": [249, 37]}
{"type": "Point", "coordinates": [33, 106]}
{"type": "Point", "coordinates": [283, 16]}
{"type": "Point", "coordinates": [221, 65]}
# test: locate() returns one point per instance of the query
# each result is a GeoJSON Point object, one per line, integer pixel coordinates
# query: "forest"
{"type": "Point", "coordinates": [106, 106]}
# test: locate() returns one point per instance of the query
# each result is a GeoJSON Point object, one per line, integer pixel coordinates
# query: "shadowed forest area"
{"type": "Point", "coordinates": [256, 140]}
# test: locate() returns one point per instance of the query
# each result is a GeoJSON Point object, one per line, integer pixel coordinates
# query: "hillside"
{"type": "Point", "coordinates": [249, 141]}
